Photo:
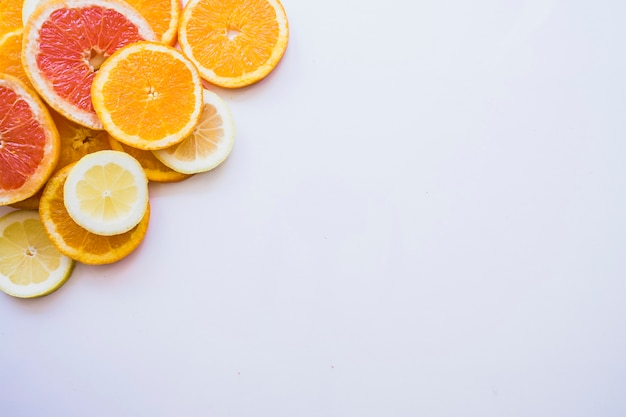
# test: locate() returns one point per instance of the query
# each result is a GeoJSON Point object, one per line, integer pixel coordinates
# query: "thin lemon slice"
{"type": "Point", "coordinates": [209, 144]}
{"type": "Point", "coordinates": [30, 264]}
{"type": "Point", "coordinates": [106, 192]}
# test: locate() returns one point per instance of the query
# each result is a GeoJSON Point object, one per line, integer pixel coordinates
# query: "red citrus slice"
{"type": "Point", "coordinates": [29, 141]}
{"type": "Point", "coordinates": [66, 41]}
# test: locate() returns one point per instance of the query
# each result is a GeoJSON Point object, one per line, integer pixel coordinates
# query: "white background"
{"type": "Point", "coordinates": [424, 214]}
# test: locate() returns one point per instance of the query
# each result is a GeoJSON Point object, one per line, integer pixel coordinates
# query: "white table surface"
{"type": "Point", "coordinates": [424, 214]}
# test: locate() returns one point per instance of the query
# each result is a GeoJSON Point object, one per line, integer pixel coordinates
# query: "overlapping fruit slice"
{"type": "Point", "coordinates": [74, 240]}
{"type": "Point", "coordinates": [148, 95]}
{"type": "Point", "coordinates": [66, 41]}
{"type": "Point", "coordinates": [210, 142]}
{"type": "Point", "coordinates": [234, 43]}
{"type": "Point", "coordinates": [29, 141]}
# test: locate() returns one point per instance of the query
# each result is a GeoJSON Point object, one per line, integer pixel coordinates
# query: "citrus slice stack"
{"type": "Point", "coordinates": [155, 170]}
{"type": "Point", "coordinates": [30, 265]}
{"type": "Point", "coordinates": [106, 192]}
{"type": "Point", "coordinates": [148, 95]}
{"type": "Point", "coordinates": [77, 140]}
{"type": "Point", "coordinates": [234, 43]}
{"type": "Point", "coordinates": [210, 142]}
{"type": "Point", "coordinates": [11, 56]}
{"type": "Point", "coordinates": [66, 41]}
{"type": "Point", "coordinates": [75, 241]}
{"type": "Point", "coordinates": [29, 141]}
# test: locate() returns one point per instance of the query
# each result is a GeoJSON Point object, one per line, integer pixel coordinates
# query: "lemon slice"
{"type": "Point", "coordinates": [209, 144]}
{"type": "Point", "coordinates": [106, 192]}
{"type": "Point", "coordinates": [30, 264]}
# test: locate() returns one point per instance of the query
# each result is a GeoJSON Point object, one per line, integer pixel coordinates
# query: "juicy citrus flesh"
{"type": "Point", "coordinates": [162, 15]}
{"type": "Point", "coordinates": [155, 170]}
{"type": "Point", "coordinates": [30, 264]}
{"type": "Point", "coordinates": [66, 42]}
{"type": "Point", "coordinates": [29, 141]}
{"type": "Point", "coordinates": [77, 140]}
{"type": "Point", "coordinates": [106, 192]}
{"type": "Point", "coordinates": [10, 16]}
{"type": "Point", "coordinates": [11, 56]}
{"type": "Point", "coordinates": [210, 143]}
{"type": "Point", "coordinates": [234, 43]}
{"type": "Point", "coordinates": [75, 241]}
{"type": "Point", "coordinates": [148, 95]}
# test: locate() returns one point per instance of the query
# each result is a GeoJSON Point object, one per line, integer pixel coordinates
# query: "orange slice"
{"type": "Point", "coordinates": [155, 170]}
{"type": "Point", "coordinates": [148, 95]}
{"type": "Point", "coordinates": [209, 144]}
{"type": "Point", "coordinates": [162, 15]}
{"type": "Point", "coordinates": [66, 41]}
{"type": "Point", "coordinates": [11, 56]}
{"type": "Point", "coordinates": [76, 242]}
{"type": "Point", "coordinates": [10, 16]}
{"type": "Point", "coordinates": [234, 43]}
{"type": "Point", "coordinates": [29, 141]}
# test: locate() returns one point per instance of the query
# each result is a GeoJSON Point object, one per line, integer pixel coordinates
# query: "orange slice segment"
{"type": "Point", "coordinates": [66, 41]}
{"type": "Point", "coordinates": [148, 95]}
{"type": "Point", "coordinates": [76, 242]}
{"type": "Point", "coordinates": [155, 170]}
{"type": "Point", "coordinates": [10, 16]}
{"type": "Point", "coordinates": [234, 43]}
{"type": "Point", "coordinates": [11, 56]}
{"type": "Point", "coordinates": [29, 141]}
{"type": "Point", "coordinates": [162, 15]}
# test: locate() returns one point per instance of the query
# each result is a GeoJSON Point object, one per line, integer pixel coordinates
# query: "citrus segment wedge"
{"type": "Point", "coordinates": [10, 16]}
{"type": "Point", "coordinates": [29, 141]}
{"type": "Point", "coordinates": [155, 170]}
{"type": "Point", "coordinates": [209, 144]}
{"type": "Point", "coordinates": [66, 41]}
{"type": "Point", "coordinates": [30, 265]}
{"type": "Point", "coordinates": [78, 243]}
{"type": "Point", "coordinates": [234, 43]}
{"type": "Point", "coordinates": [148, 95]}
{"type": "Point", "coordinates": [106, 192]}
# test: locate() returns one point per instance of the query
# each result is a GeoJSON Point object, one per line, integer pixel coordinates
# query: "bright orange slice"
{"type": "Point", "coordinates": [11, 56]}
{"type": "Point", "coordinates": [155, 170]}
{"type": "Point", "coordinates": [234, 43]}
{"type": "Point", "coordinates": [66, 41]}
{"type": "Point", "coordinates": [10, 16]}
{"type": "Point", "coordinates": [76, 242]}
{"type": "Point", "coordinates": [29, 141]}
{"type": "Point", "coordinates": [148, 95]}
{"type": "Point", "coordinates": [162, 15]}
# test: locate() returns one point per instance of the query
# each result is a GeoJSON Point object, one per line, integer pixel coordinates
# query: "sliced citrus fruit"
{"type": "Point", "coordinates": [11, 56]}
{"type": "Point", "coordinates": [234, 43]}
{"type": "Point", "coordinates": [66, 41]}
{"type": "Point", "coordinates": [10, 15]}
{"type": "Point", "coordinates": [77, 140]}
{"type": "Point", "coordinates": [76, 242]}
{"type": "Point", "coordinates": [210, 142]}
{"type": "Point", "coordinates": [106, 192]}
{"type": "Point", "coordinates": [148, 95]}
{"type": "Point", "coordinates": [155, 170]}
{"type": "Point", "coordinates": [162, 15]}
{"type": "Point", "coordinates": [30, 264]}
{"type": "Point", "coordinates": [29, 141]}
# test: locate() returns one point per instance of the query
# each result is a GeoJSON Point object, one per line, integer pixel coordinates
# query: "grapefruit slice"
{"type": "Point", "coordinates": [29, 141]}
{"type": "Point", "coordinates": [66, 41]}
